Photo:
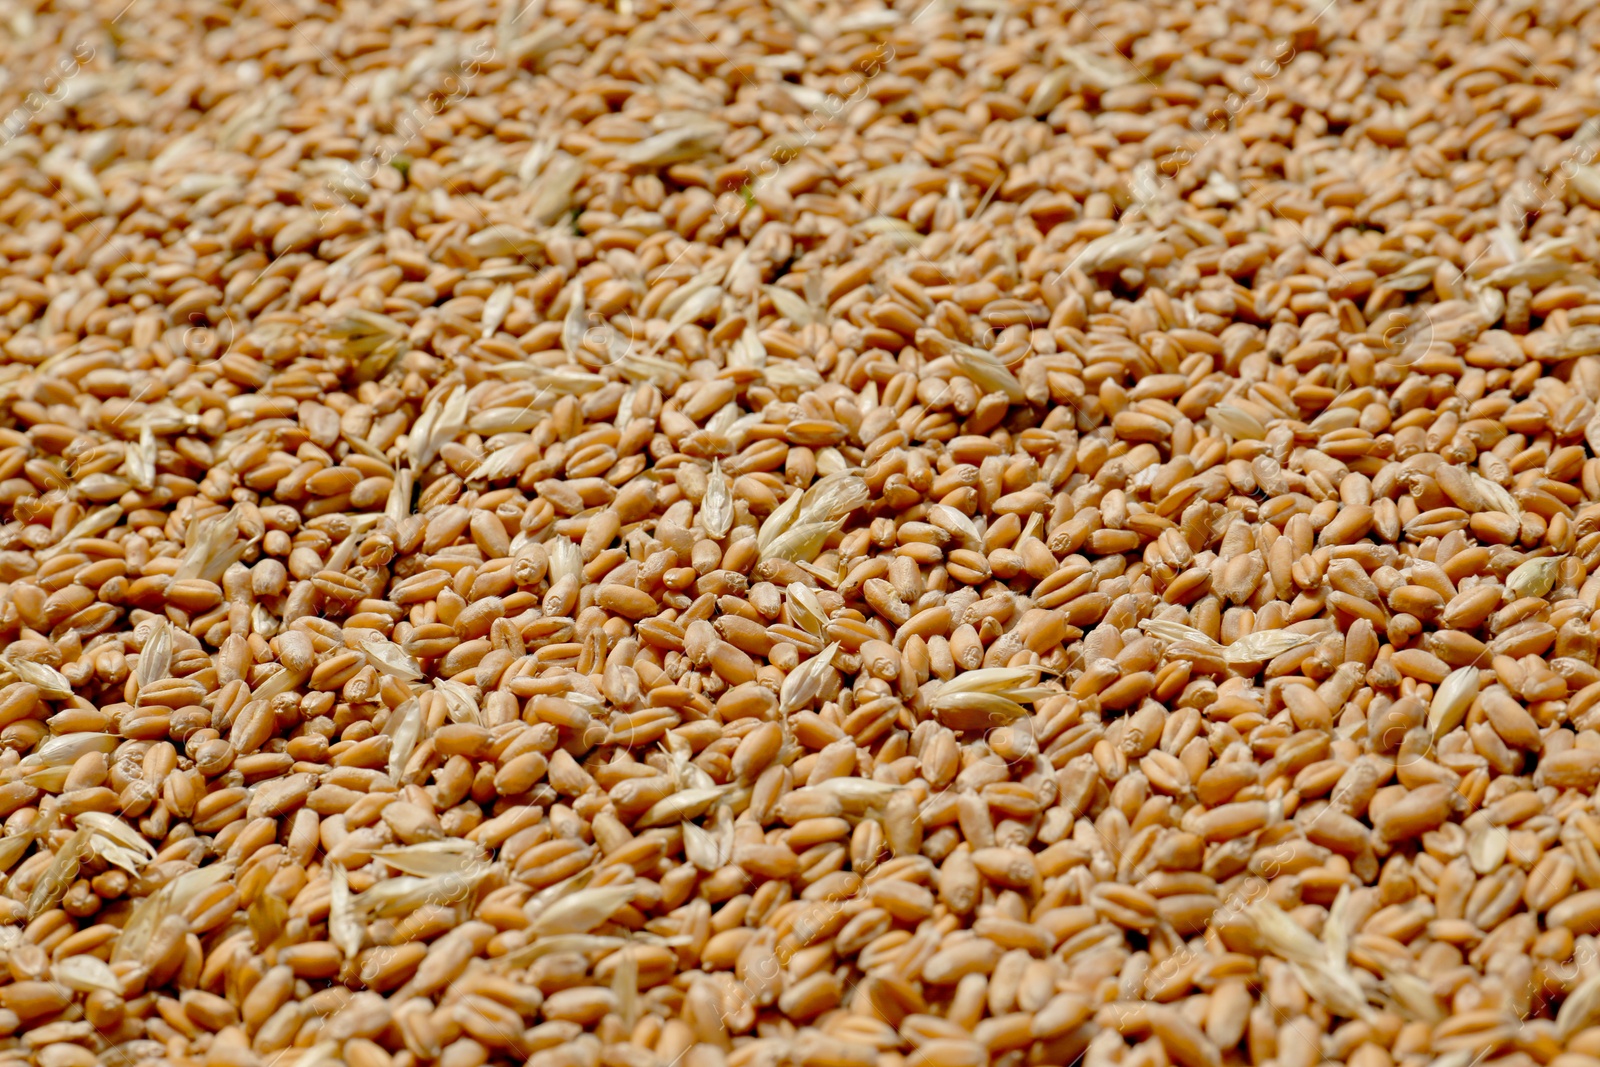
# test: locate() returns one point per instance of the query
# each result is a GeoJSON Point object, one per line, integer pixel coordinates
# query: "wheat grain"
{"type": "Point", "coordinates": [778, 533]}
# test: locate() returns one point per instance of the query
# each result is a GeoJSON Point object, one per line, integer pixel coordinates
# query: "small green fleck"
{"type": "Point", "coordinates": [401, 163]}
{"type": "Point", "coordinates": [748, 196]}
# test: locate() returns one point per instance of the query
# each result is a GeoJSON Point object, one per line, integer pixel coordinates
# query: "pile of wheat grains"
{"type": "Point", "coordinates": [799, 534]}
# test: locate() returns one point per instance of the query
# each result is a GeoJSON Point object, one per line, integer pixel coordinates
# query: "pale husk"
{"type": "Point", "coordinates": [169, 900]}
{"type": "Point", "coordinates": [1172, 632]}
{"type": "Point", "coordinates": [716, 510]}
{"type": "Point", "coordinates": [59, 875]}
{"type": "Point", "coordinates": [405, 730]}
{"type": "Point", "coordinates": [1452, 699]}
{"type": "Point", "coordinates": [1263, 645]}
{"type": "Point", "coordinates": [49, 681]}
{"type": "Point", "coordinates": [803, 684]}
{"type": "Point", "coordinates": [1534, 578]}
{"type": "Point", "coordinates": [155, 658]}
{"type": "Point", "coordinates": [581, 912]}
{"type": "Point", "coordinates": [344, 929]}
{"type": "Point", "coordinates": [805, 609]}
